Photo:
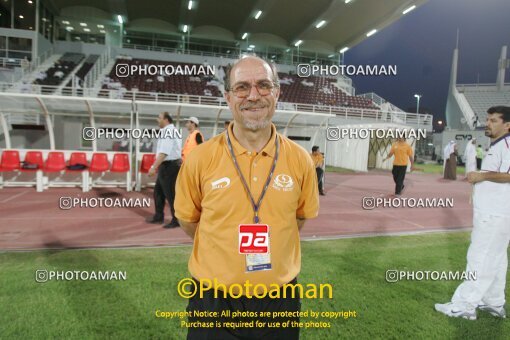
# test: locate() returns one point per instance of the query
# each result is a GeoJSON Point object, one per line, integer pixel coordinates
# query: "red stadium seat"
{"type": "Point", "coordinates": [10, 160]}
{"type": "Point", "coordinates": [33, 157]}
{"type": "Point", "coordinates": [147, 161]}
{"type": "Point", "coordinates": [99, 163]}
{"type": "Point", "coordinates": [120, 163]}
{"type": "Point", "coordinates": [55, 162]}
{"type": "Point", "coordinates": [78, 158]}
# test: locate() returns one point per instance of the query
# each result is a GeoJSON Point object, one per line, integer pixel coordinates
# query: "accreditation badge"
{"type": "Point", "coordinates": [254, 243]}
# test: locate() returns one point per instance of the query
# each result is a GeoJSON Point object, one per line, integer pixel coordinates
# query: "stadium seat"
{"type": "Point", "coordinates": [33, 158]}
{"type": "Point", "coordinates": [147, 161]}
{"type": "Point", "coordinates": [99, 163]}
{"type": "Point", "coordinates": [120, 163]}
{"type": "Point", "coordinates": [55, 162]}
{"type": "Point", "coordinates": [78, 158]}
{"type": "Point", "coordinates": [10, 160]}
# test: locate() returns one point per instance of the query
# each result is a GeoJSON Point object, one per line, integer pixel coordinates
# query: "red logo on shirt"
{"type": "Point", "coordinates": [253, 239]}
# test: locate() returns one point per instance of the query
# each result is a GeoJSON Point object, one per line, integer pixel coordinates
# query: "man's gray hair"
{"type": "Point", "coordinates": [272, 65]}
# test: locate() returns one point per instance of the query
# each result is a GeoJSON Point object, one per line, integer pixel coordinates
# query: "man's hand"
{"type": "Point", "coordinates": [475, 177]}
{"type": "Point", "coordinates": [152, 172]}
{"type": "Point", "coordinates": [300, 223]}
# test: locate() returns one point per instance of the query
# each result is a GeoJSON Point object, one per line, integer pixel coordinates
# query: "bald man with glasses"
{"type": "Point", "coordinates": [248, 180]}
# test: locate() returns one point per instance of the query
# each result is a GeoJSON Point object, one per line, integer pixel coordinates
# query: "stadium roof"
{"type": "Point", "coordinates": [280, 23]}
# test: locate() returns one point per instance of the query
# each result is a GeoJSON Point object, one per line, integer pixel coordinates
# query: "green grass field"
{"type": "Point", "coordinates": [438, 169]}
{"type": "Point", "coordinates": [427, 169]}
{"type": "Point", "coordinates": [126, 309]}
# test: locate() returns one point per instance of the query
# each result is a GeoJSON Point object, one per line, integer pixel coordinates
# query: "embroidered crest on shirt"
{"type": "Point", "coordinates": [283, 182]}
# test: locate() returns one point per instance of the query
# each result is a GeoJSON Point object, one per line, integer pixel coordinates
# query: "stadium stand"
{"type": "Point", "coordinates": [482, 97]}
{"type": "Point", "coordinates": [70, 82]}
{"type": "Point", "coordinates": [318, 91]}
{"type": "Point", "coordinates": [467, 104]}
{"type": "Point", "coordinates": [311, 90]}
{"type": "Point", "coordinates": [58, 72]}
{"type": "Point", "coordinates": [178, 84]}
{"type": "Point", "coordinates": [81, 74]}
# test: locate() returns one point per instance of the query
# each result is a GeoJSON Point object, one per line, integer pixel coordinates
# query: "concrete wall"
{"type": "Point", "coordinates": [29, 139]}
{"type": "Point", "coordinates": [43, 44]}
{"type": "Point", "coordinates": [78, 47]}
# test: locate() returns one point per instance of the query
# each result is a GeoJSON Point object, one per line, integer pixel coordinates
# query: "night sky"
{"type": "Point", "coordinates": [421, 44]}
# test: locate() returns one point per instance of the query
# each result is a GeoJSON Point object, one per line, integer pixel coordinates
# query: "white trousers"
{"type": "Point", "coordinates": [470, 165]}
{"type": "Point", "coordinates": [487, 256]}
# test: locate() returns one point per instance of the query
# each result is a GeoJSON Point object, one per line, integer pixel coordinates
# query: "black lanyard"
{"type": "Point", "coordinates": [255, 206]}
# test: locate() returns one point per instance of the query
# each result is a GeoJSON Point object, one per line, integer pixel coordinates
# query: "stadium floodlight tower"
{"type": "Point", "coordinates": [417, 96]}
{"type": "Point", "coordinates": [297, 44]}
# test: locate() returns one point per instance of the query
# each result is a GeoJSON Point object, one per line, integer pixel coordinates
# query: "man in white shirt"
{"type": "Point", "coordinates": [470, 156]}
{"type": "Point", "coordinates": [167, 165]}
{"type": "Point", "coordinates": [487, 254]}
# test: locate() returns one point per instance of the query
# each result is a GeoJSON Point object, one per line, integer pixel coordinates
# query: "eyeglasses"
{"type": "Point", "coordinates": [243, 90]}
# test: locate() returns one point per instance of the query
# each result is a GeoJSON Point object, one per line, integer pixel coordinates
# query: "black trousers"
{"type": "Point", "coordinates": [479, 163]}
{"type": "Point", "coordinates": [320, 172]}
{"type": "Point", "coordinates": [244, 304]}
{"type": "Point", "coordinates": [399, 174]}
{"type": "Point", "coordinates": [165, 187]}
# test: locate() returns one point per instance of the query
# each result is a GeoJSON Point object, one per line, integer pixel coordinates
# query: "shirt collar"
{"type": "Point", "coordinates": [500, 139]}
{"type": "Point", "coordinates": [269, 149]}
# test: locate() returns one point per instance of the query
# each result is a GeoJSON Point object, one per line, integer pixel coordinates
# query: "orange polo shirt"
{"type": "Point", "coordinates": [209, 191]}
{"type": "Point", "coordinates": [317, 159]}
{"type": "Point", "coordinates": [191, 143]}
{"type": "Point", "coordinates": [401, 152]}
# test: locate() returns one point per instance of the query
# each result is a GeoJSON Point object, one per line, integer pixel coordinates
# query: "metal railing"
{"type": "Point", "coordinates": [234, 55]}
{"type": "Point", "coordinates": [10, 62]}
{"type": "Point", "coordinates": [378, 100]}
{"type": "Point", "coordinates": [40, 60]}
{"type": "Point", "coordinates": [354, 113]}
{"type": "Point", "coordinates": [480, 87]}
{"type": "Point", "coordinates": [97, 69]}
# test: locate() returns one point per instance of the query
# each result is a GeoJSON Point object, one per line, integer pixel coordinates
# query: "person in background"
{"type": "Point", "coordinates": [487, 256]}
{"type": "Point", "coordinates": [470, 156]}
{"type": "Point", "coordinates": [194, 139]}
{"type": "Point", "coordinates": [403, 155]}
{"type": "Point", "coordinates": [450, 161]}
{"type": "Point", "coordinates": [318, 161]}
{"type": "Point", "coordinates": [479, 157]}
{"type": "Point", "coordinates": [167, 165]}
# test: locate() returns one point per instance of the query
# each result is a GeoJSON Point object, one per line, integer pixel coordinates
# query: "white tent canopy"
{"type": "Point", "coordinates": [354, 153]}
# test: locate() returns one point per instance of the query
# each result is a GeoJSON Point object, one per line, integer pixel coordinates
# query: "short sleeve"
{"type": "Point", "coordinates": [188, 192]}
{"type": "Point", "coordinates": [164, 146]}
{"type": "Point", "coordinates": [308, 202]}
{"type": "Point", "coordinates": [409, 151]}
{"type": "Point", "coordinates": [493, 160]}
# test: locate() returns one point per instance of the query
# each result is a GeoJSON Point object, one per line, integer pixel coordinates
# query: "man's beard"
{"type": "Point", "coordinates": [256, 125]}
